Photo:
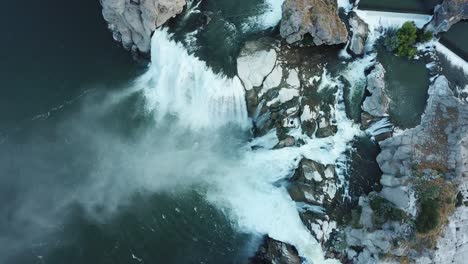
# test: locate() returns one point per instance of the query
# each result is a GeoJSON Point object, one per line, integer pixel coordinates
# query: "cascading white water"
{"type": "Point", "coordinates": [270, 18]}
{"type": "Point", "coordinates": [244, 187]}
{"type": "Point", "coordinates": [181, 85]}
{"type": "Point", "coordinates": [455, 60]}
{"type": "Point", "coordinates": [380, 127]}
{"type": "Point", "coordinates": [379, 21]}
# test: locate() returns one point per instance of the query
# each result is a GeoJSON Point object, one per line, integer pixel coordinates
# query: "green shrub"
{"type": "Point", "coordinates": [407, 36]}
{"type": "Point", "coordinates": [425, 36]}
{"type": "Point", "coordinates": [384, 210]}
{"type": "Point", "coordinates": [429, 216]}
{"type": "Point", "coordinates": [356, 217]}
{"type": "Point", "coordinates": [403, 40]}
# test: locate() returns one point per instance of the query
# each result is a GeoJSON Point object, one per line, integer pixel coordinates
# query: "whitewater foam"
{"type": "Point", "coordinates": [453, 58]}
{"type": "Point", "coordinates": [245, 187]}
{"type": "Point", "coordinates": [380, 21]}
{"type": "Point", "coordinates": [380, 127]}
{"type": "Point", "coordinates": [270, 18]}
{"type": "Point", "coordinates": [179, 84]}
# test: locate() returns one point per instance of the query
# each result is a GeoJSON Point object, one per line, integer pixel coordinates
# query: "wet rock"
{"type": "Point", "coordinates": [308, 118]}
{"type": "Point", "coordinates": [377, 103]}
{"type": "Point", "coordinates": [280, 93]}
{"type": "Point", "coordinates": [287, 142]}
{"type": "Point", "coordinates": [447, 14]}
{"type": "Point", "coordinates": [366, 120]}
{"type": "Point", "coordinates": [319, 18]}
{"type": "Point", "coordinates": [325, 128]}
{"type": "Point", "coordinates": [255, 62]}
{"type": "Point", "coordinates": [313, 183]}
{"type": "Point", "coordinates": [274, 251]}
{"type": "Point", "coordinates": [133, 21]}
{"type": "Point", "coordinates": [359, 31]}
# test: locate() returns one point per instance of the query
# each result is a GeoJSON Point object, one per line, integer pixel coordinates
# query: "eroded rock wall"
{"type": "Point", "coordinates": [132, 22]}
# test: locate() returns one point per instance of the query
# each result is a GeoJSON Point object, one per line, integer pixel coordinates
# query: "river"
{"type": "Point", "coordinates": [106, 160]}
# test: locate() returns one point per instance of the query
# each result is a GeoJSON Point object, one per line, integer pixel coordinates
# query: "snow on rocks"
{"type": "Point", "coordinates": [255, 63]}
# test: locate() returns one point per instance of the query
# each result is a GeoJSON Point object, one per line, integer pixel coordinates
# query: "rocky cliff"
{"type": "Point", "coordinates": [447, 14]}
{"type": "Point", "coordinates": [133, 21]}
{"type": "Point", "coordinates": [318, 18]}
{"type": "Point", "coordinates": [424, 168]}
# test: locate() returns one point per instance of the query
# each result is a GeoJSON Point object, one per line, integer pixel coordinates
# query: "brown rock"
{"type": "Point", "coordinates": [319, 18]}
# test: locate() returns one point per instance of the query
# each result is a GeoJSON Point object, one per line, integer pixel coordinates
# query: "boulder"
{"type": "Point", "coordinates": [132, 22]}
{"type": "Point", "coordinates": [313, 183]}
{"type": "Point", "coordinates": [319, 18]}
{"type": "Point", "coordinates": [377, 103]}
{"type": "Point", "coordinates": [359, 34]}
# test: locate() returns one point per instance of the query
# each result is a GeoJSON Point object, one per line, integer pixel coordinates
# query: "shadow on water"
{"type": "Point", "coordinates": [405, 6]}
{"type": "Point", "coordinates": [407, 82]}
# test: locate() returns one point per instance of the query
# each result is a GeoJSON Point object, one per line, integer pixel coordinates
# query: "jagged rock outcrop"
{"type": "Point", "coordinates": [359, 34]}
{"type": "Point", "coordinates": [434, 144]}
{"type": "Point", "coordinates": [281, 87]}
{"type": "Point", "coordinates": [447, 14]}
{"type": "Point", "coordinates": [377, 103]}
{"type": "Point", "coordinates": [133, 21]}
{"type": "Point", "coordinates": [313, 183]}
{"type": "Point", "coordinates": [319, 18]}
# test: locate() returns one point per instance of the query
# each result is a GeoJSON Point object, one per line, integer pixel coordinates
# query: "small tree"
{"type": "Point", "coordinates": [425, 36]}
{"type": "Point", "coordinates": [407, 36]}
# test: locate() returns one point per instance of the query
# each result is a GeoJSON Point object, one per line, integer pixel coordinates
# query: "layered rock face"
{"type": "Point", "coordinates": [447, 14]}
{"type": "Point", "coordinates": [434, 152]}
{"type": "Point", "coordinates": [319, 18]}
{"type": "Point", "coordinates": [133, 21]}
{"type": "Point", "coordinates": [433, 146]}
{"type": "Point", "coordinates": [281, 89]}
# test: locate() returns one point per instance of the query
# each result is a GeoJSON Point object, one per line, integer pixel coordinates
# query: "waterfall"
{"type": "Point", "coordinates": [180, 85]}
{"type": "Point", "coordinates": [243, 184]}
{"type": "Point", "coordinates": [455, 60]}
{"type": "Point", "coordinates": [380, 127]}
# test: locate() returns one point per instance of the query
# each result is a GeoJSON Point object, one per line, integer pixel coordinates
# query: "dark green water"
{"type": "Point", "coordinates": [407, 82]}
{"type": "Point", "coordinates": [456, 39]}
{"type": "Point", "coordinates": [58, 65]}
{"type": "Point", "coordinates": [52, 51]}
{"type": "Point", "coordinates": [413, 6]}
